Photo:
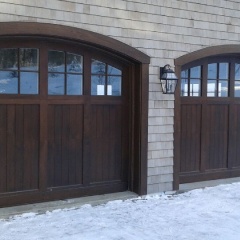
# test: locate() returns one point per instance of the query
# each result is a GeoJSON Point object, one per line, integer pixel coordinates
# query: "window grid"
{"type": "Point", "coordinates": [65, 75]}
{"type": "Point", "coordinates": [215, 79]}
{"type": "Point", "coordinates": [218, 80]}
{"type": "Point", "coordinates": [19, 71]}
{"type": "Point", "coordinates": [191, 82]}
{"type": "Point", "coordinates": [105, 79]}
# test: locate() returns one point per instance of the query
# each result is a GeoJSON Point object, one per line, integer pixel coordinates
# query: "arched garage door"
{"type": "Point", "coordinates": [65, 121]}
{"type": "Point", "coordinates": [209, 117]}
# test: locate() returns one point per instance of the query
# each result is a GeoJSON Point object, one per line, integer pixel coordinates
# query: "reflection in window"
{"type": "Point", "coordinates": [8, 82]}
{"type": "Point", "coordinates": [56, 61]}
{"type": "Point", "coordinates": [64, 73]}
{"type": "Point", "coordinates": [9, 58]}
{"type": "Point", "coordinates": [105, 79]}
{"type": "Point", "coordinates": [19, 71]}
{"type": "Point", "coordinates": [28, 83]}
{"type": "Point", "coordinates": [74, 84]}
{"type": "Point", "coordinates": [28, 59]}
{"type": "Point", "coordinates": [191, 82]}
{"type": "Point", "coordinates": [237, 80]}
{"type": "Point", "coordinates": [218, 80]}
{"type": "Point", "coordinates": [56, 84]}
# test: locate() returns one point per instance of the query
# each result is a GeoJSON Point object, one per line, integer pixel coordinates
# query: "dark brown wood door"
{"type": "Point", "coordinates": [209, 114]}
{"type": "Point", "coordinates": [64, 122]}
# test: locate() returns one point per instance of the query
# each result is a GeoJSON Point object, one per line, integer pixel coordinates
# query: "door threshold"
{"type": "Point", "coordinates": [211, 183]}
{"type": "Point", "coordinates": [41, 208]}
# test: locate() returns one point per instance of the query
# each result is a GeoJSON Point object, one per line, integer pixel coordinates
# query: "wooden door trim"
{"type": "Point", "coordinates": [72, 33]}
{"type": "Point", "coordinates": [207, 52]}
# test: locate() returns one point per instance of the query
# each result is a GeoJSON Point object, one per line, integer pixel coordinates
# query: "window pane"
{"type": "Point", "coordinates": [28, 83]}
{"type": "Point", "coordinates": [223, 70]}
{"type": "Point", "coordinates": [55, 84]}
{"type": "Point", "coordinates": [184, 74]}
{"type": "Point", "coordinates": [56, 61]}
{"type": "Point", "coordinates": [237, 89]}
{"type": "Point", "coordinates": [8, 58]}
{"type": "Point", "coordinates": [74, 63]}
{"type": "Point", "coordinates": [74, 84]}
{"type": "Point", "coordinates": [211, 88]}
{"type": "Point", "coordinates": [114, 86]}
{"type": "Point", "coordinates": [237, 71]}
{"type": "Point", "coordinates": [98, 67]}
{"type": "Point", "coordinates": [29, 59]}
{"type": "Point", "coordinates": [212, 71]}
{"type": "Point", "coordinates": [184, 87]}
{"type": "Point", "coordinates": [114, 71]}
{"type": "Point", "coordinates": [195, 72]}
{"type": "Point", "coordinates": [223, 89]}
{"type": "Point", "coordinates": [195, 87]}
{"type": "Point", "coordinates": [97, 85]}
{"type": "Point", "coordinates": [8, 82]}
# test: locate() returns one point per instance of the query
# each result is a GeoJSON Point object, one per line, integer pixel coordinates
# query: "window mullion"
{"type": "Point", "coordinates": [65, 74]}
{"type": "Point", "coordinates": [231, 80]}
{"type": "Point", "coordinates": [106, 80]}
{"type": "Point", "coordinates": [204, 80]}
{"type": "Point", "coordinates": [189, 80]}
{"type": "Point", "coordinates": [18, 70]}
{"type": "Point", "coordinates": [217, 80]}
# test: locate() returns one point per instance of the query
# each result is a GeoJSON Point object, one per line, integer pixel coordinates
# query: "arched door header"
{"type": "Point", "coordinates": [207, 52]}
{"type": "Point", "coordinates": [72, 33]}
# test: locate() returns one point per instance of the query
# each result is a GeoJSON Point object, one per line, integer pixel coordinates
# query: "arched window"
{"type": "Point", "coordinates": [19, 73]}
{"type": "Point", "coordinates": [211, 77]}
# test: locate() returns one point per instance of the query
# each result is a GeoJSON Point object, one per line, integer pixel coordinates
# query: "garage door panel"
{"type": "Point", "coordinates": [106, 144]}
{"type": "Point", "coordinates": [20, 152]}
{"type": "Point", "coordinates": [65, 145]}
{"type": "Point", "coordinates": [215, 136]}
{"type": "Point", "coordinates": [190, 137]}
{"type": "Point", "coordinates": [234, 137]}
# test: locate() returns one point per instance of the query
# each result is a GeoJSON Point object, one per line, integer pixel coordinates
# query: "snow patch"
{"type": "Point", "coordinates": [210, 213]}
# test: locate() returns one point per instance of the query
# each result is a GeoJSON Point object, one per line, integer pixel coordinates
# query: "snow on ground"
{"type": "Point", "coordinates": [202, 214]}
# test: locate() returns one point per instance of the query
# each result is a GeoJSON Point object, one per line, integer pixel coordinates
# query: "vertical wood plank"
{"type": "Point", "coordinates": [120, 131]}
{"type": "Point", "coordinates": [51, 147]}
{"type": "Point", "coordinates": [65, 145]}
{"type": "Point", "coordinates": [19, 148]}
{"type": "Point", "coordinates": [78, 121]}
{"type": "Point", "coordinates": [31, 145]}
{"type": "Point", "coordinates": [73, 145]}
{"type": "Point", "coordinates": [58, 117]}
{"type": "Point", "coordinates": [36, 152]}
{"type": "Point", "coordinates": [11, 141]}
{"type": "Point", "coordinates": [3, 148]}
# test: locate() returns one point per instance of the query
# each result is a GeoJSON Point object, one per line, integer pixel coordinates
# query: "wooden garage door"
{"type": "Point", "coordinates": [64, 121]}
{"type": "Point", "coordinates": [209, 119]}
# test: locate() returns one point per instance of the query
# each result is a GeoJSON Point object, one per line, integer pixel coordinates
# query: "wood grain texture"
{"type": "Point", "coordinates": [55, 147]}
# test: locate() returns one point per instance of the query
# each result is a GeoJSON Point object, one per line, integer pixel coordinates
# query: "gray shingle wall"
{"type": "Point", "coordinates": [164, 30]}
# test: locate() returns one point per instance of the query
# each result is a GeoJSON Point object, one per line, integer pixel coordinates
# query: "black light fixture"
{"type": "Point", "coordinates": [168, 79]}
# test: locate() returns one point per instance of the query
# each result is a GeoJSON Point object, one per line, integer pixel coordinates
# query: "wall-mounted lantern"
{"type": "Point", "coordinates": [168, 79]}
